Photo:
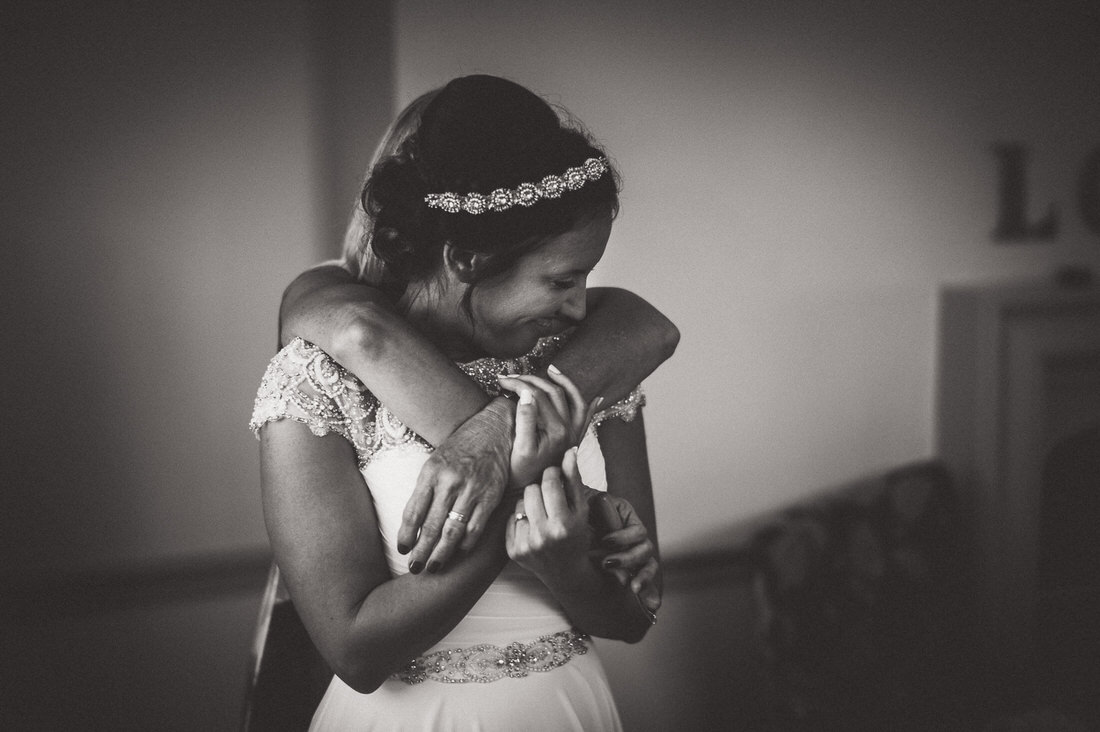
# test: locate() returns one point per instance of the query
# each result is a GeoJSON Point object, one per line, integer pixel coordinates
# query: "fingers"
{"type": "Point", "coordinates": [632, 559]}
{"type": "Point", "coordinates": [476, 526]}
{"type": "Point", "coordinates": [602, 516]}
{"type": "Point", "coordinates": [554, 392]}
{"type": "Point", "coordinates": [580, 412]}
{"type": "Point", "coordinates": [574, 485]}
{"type": "Point", "coordinates": [435, 523]}
{"type": "Point", "coordinates": [623, 538]}
{"type": "Point", "coordinates": [516, 533]}
{"type": "Point", "coordinates": [532, 503]}
{"type": "Point", "coordinates": [644, 585]}
{"type": "Point", "coordinates": [454, 531]}
{"type": "Point", "coordinates": [416, 509]}
{"type": "Point", "coordinates": [552, 402]}
{"type": "Point", "coordinates": [527, 417]}
{"type": "Point", "coordinates": [554, 497]}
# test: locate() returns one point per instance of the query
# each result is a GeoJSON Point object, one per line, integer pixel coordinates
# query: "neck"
{"type": "Point", "coordinates": [437, 312]}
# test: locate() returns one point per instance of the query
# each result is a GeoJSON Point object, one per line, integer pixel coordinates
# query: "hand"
{"type": "Point", "coordinates": [466, 474]}
{"type": "Point", "coordinates": [550, 534]}
{"type": "Point", "coordinates": [625, 548]}
{"type": "Point", "coordinates": [550, 418]}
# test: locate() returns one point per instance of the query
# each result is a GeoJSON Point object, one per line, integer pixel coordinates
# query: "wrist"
{"type": "Point", "coordinates": [500, 413]}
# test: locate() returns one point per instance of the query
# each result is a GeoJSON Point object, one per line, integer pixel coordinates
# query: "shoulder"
{"type": "Point", "coordinates": [305, 384]}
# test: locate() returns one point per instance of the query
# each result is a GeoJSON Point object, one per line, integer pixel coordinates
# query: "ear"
{"type": "Point", "coordinates": [464, 264]}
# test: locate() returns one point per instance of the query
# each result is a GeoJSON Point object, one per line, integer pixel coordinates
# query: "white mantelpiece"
{"type": "Point", "coordinates": [1007, 356]}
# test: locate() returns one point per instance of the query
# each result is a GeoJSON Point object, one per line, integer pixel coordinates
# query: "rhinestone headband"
{"type": "Point", "coordinates": [525, 194]}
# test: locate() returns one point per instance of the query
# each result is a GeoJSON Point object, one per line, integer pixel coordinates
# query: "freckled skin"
{"type": "Point", "coordinates": [543, 294]}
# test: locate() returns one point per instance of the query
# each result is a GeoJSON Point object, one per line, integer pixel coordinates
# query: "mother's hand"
{"type": "Point", "coordinates": [624, 548]}
{"type": "Point", "coordinates": [459, 486]}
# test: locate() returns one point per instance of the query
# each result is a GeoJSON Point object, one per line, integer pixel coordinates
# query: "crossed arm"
{"type": "Point", "coordinates": [325, 539]}
{"type": "Point", "coordinates": [621, 341]}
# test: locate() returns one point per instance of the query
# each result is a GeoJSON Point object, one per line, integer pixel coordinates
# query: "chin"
{"type": "Point", "coordinates": [514, 347]}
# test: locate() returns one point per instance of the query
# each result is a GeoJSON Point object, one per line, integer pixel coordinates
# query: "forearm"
{"type": "Point", "coordinates": [627, 467]}
{"type": "Point", "coordinates": [357, 326]}
{"type": "Point", "coordinates": [597, 604]}
{"type": "Point", "coordinates": [404, 617]}
{"type": "Point", "coordinates": [326, 540]}
{"type": "Point", "coordinates": [622, 340]}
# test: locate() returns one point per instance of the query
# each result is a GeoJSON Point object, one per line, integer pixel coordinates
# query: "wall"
{"type": "Point", "coordinates": [167, 170]}
{"type": "Point", "coordinates": [800, 179]}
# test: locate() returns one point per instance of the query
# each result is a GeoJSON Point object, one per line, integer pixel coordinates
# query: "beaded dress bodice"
{"type": "Point", "coordinates": [304, 384]}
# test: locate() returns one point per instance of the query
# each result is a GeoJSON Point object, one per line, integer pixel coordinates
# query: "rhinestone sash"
{"type": "Point", "coordinates": [486, 662]}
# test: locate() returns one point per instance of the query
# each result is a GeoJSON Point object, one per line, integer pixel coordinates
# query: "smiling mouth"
{"type": "Point", "coordinates": [550, 325]}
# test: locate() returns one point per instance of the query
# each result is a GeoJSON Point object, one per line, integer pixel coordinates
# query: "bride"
{"type": "Point", "coordinates": [489, 218]}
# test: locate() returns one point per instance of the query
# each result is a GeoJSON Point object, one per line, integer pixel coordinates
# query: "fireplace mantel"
{"type": "Point", "coordinates": [1019, 367]}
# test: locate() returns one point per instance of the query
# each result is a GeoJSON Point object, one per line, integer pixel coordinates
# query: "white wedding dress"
{"type": "Point", "coordinates": [514, 662]}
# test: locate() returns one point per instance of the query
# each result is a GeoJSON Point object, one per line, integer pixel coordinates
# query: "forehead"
{"type": "Point", "coordinates": [577, 249]}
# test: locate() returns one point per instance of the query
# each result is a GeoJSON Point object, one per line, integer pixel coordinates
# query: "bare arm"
{"type": "Point", "coordinates": [325, 539]}
{"type": "Point", "coordinates": [358, 327]}
{"type": "Point", "coordinates": [552, 540]}
{"type": "Point", "coordinates": [627, 467]}
{"type": "Point", "coordinates": [621, 341]}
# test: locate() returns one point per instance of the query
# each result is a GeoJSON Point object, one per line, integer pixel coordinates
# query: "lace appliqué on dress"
{"type": "Point", "coordinates": [303, 383]}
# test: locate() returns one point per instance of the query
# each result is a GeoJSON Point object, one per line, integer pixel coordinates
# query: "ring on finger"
{"type": "Point", "coordinates": [521, 516]}
{"type": "Point", "coordinates": [456, 516]}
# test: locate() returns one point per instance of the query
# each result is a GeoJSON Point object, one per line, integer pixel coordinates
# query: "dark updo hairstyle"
{"type": "Point", "coordinates": [478, 134]}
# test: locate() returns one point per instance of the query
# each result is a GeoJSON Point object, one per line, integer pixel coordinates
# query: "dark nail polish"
{"type": "Point", "coordinates": [611, 563]}
{"type": "Point", "coordinates": [402, 549]}
{"type": "Point", "coordinates": [416, 566]}
{"type": "Point", "coordinates": [433, 567]}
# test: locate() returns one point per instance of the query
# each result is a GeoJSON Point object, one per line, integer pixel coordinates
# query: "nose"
{"type": "Point", "coordinates": [575, 306]}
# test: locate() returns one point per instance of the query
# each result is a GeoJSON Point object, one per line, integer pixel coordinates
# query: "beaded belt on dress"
{"type": "Point", "coordinates": [486, 662]}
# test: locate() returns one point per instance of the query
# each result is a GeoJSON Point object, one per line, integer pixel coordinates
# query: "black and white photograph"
{"type": "Point", "coordinates": [409, 365]}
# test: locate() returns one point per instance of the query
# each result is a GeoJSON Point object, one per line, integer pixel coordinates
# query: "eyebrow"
{"type": "Point", "coordinates": [572, 272]}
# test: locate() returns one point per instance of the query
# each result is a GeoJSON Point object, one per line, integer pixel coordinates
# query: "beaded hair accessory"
{"type": "Point", "coordinates": [525, 194]}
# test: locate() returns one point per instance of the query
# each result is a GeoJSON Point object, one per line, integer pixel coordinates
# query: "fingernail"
{"type": "Point", "coordinates": [575, 449]}
{"type": "Point", "coordinates": [610, 563]}
{"type": "Point", "coordinates": [433, 567]}
{"type": "Point", "coordinates": [416, 566]}
{"type": "Point", "coordinates": [553, 369]}
{"type": "Point", "coordinates": [526, 397]}
{"type": "Point", "coordinates": [402, 549]}
{"type": "Point", "coordinates": [608, 542]}
{"type": "Point", "coordinates": [599, 401]}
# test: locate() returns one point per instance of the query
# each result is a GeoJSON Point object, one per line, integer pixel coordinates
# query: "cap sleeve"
{"type": "Point", "coordinates": [304, 384]}
{"type": "Point", "coordinates": [625, 409]}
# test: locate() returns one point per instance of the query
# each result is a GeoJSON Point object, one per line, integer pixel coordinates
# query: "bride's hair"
{"type": "Point", "coordinates": [475, 135]}
{"type": "Point", "coordinates": [356, 255]}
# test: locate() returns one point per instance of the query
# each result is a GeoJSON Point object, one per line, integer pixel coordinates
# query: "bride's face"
{"type": "Point", "coordinates": [542, 294]}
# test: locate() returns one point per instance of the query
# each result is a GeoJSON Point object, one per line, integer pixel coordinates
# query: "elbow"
{"type": "Point", "coordinates": [635, 631]}
{"type": "Point", "coordinates": [360, 335]}
{"type": "Point", "coordinates": [361, 676]}
{"type": "Point", "coordinates": [669, 338]}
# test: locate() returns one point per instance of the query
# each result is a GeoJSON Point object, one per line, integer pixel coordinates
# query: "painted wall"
{"type": "Point", "coordinates": [167, 168]}
{"type": "Point", "coordinates": [160, 181]}
{"type": "Point", "coordinates": [167, 172]}
{"type": "Point", "coordinates": [800, 179]}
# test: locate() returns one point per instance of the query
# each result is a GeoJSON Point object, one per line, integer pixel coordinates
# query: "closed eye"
{"type": "Point", "coordinates": [563, 284]}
